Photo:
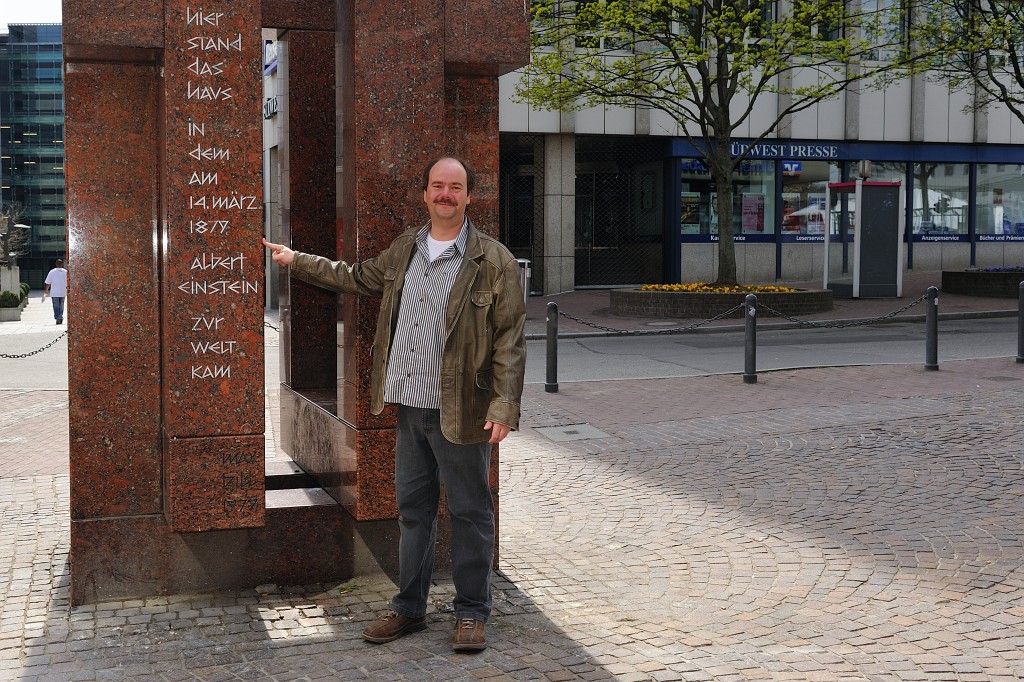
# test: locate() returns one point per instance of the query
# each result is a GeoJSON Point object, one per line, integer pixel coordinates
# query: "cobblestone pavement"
{"type": "Point", "coordinates": [833, 524]}
{"type": "Point", "coordinates": [827, 524]}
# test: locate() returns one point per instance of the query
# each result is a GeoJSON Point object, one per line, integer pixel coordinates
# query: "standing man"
{"type": "Point", "coordinates": [450, 352]}
{"type": "Point", "coordinates": [56, 287]}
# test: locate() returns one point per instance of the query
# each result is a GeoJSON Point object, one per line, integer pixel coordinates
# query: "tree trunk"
{"type": "Point", "coordinates": [726, 242]}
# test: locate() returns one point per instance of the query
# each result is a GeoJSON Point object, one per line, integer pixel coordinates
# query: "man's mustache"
{"type": "Point", "coordinates": [445, 202]}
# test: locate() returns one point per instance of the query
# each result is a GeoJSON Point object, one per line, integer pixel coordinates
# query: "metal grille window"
{"type": "Point", "coordinates": [522, 200]}
{"type": "Point", "coordinates": [619, 210]}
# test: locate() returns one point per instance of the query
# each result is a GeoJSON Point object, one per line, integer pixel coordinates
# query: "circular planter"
{"type": "Point", "coordinates": [687, 304]}
{"type": "Point", "coordinates": [982, 283]}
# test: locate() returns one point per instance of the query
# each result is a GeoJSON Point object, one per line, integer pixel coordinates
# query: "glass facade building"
{"type": "Point", "coordinates": [32, 142]}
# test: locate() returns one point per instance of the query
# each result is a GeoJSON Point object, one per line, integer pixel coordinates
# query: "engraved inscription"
{"type": "Point", "coordinates": [208, 226]}
{"type": "Point", "coordinates": [201, 67]}
{"type": "Point", "coordinates": [201, 17]}
{"type": "Point", "coordinates": [242, 506]}
{"type": "Point", "coordinates": [211, 371]}
{"type": "Point", "coordinates": [207, 92]}
{"type": "Point", "coordinates": [210, 48]}
{"type": "Point", "coordinates": [203, 322]}
{"type": "Point", "coordinates": [201, 153]}
{"type": "Point", "coordinates": [220, 287]}
{"type": "Point", "coordinates": [215, 44]}
{"type": "Point", "coordinates": [213, 282]}
{"type": "Point", "coordinates": [213, 347]}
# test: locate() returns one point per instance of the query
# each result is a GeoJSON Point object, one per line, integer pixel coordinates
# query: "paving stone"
{"type": "Point", "coordinates": [830, 524]}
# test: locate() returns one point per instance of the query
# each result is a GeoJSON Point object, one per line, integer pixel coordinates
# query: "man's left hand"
{"type": "Point", "coordinates": [498, 431]}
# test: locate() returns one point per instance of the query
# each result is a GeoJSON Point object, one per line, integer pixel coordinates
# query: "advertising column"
{"type": "Point", "coordinates": [212, 307]}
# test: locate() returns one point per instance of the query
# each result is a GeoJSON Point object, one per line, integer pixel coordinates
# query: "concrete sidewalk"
{"type": "Point", "coordinates": [856, 523]}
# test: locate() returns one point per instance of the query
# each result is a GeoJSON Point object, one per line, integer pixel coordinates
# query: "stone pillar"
{"type": "Point", "coordinates": [164, 196]}
{"type": "Point", "coordinates": [414, 80]}
{"type": "Point", "coordinates": [212, 276]}
{"type": "Point", "coordinates": [163, 146]}
{"type": "Point", "coordinates": [559, 213]}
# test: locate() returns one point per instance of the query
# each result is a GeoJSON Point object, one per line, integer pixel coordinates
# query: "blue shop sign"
{"type": "Point", "coordinates": [909, 152]}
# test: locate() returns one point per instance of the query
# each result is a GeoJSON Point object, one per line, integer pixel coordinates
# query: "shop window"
{"type": "Point", "coordinates": [753, 204]}
{"type": "Point", "coordinates": [941, 198]}
{"type": "Point", "coordinates": [1000, 200]}
{"type": "Point", "coordinates": [803, 195]}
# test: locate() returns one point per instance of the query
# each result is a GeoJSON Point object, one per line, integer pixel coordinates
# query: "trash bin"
{"type": "Point", "coordinates": [524, 277]}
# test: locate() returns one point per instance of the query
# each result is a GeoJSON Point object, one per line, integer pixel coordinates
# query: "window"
{"type": "Point", "coordinates": [803, 195]}
{"type": "Point", "coordinates": [824, 18]}
{"type": "Point", "coordinates": [753, 206]}
{"type": "Point", "coordinates": [885, 27]}
{"type": "Point", "coordinates": [1000, 200]}
{"type": "Point", "coordinates": [766, 11]}
{"type": "Point", "coordinates": [940, 198]}
{"type": "Point", "coordinates": [592, 33]}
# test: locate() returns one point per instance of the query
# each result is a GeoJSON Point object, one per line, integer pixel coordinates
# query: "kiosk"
{"type": "Point", "coordinates": [878, 224]}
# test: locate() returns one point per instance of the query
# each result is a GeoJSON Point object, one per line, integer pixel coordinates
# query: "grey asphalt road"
{"type": "Point", "coordinates": [643, 357]}
{"type": "Point", "coordinates": [694, 354]}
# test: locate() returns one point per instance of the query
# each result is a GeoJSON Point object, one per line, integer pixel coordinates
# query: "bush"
{"type": "Point", "coordinates": [25, 288]}
{"type": "Point", "coordinates": [9, 299]}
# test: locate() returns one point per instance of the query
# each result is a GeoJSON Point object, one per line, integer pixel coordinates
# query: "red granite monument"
{"type": "Point", "coordinates": [165, 209]}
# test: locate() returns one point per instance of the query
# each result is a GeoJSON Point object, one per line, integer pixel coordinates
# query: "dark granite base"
{"type": "Point", "coordinates": [117, 558]}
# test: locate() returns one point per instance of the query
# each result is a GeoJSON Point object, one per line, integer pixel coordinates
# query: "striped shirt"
{"type": "Point", "coordinates": [414, 364]}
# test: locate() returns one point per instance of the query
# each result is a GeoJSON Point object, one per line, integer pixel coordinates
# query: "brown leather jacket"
{"type": "Point", "coordinates": [484, 357]}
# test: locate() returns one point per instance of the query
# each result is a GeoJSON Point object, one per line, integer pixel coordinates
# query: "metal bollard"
{"type": "Point", "coordinates": [750, 340]}
{"type": "Point", "coordinates": [931, 323]}
{"type": "Point", "coordinates": [1020, 323]}
{"type": "Point", "coordinates": [551, 380]}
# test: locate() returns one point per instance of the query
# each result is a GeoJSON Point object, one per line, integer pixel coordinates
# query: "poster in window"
{"type": "Point", "coordinates": [689, 216]}
{"type": "Point", "coordinates": [753, 213]}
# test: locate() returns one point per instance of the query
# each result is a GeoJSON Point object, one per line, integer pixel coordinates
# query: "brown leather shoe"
{"type": "Point", "coordinates": [391, 626]}
{"type": "Point", "coordinates": [469, 635]}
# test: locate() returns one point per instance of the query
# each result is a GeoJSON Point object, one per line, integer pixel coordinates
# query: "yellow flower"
{"type": "Point", "coordinates": [705, 288]}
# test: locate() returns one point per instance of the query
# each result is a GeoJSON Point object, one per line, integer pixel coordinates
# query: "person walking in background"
{"type": "Point", "coordinates": [56, 287]}
{"type": "Point", "coordinates": [450, 352]}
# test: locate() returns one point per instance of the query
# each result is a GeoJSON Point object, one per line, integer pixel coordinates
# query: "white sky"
{"type": "Point", "coordinates": [29, 12]}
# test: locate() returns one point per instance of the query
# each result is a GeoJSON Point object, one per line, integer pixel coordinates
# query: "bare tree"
{"type": "Point", "coordinates": [981, 43]}
{"type": "Point", "coordinates": [13, 235]}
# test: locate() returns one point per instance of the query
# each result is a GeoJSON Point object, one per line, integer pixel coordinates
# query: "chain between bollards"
{"type": "Point", "coordinates": [1020, 322]}
{"type": "Point", "coordinates": [750, 340]}
{"type": "Point", "coordinates": [931, 323]}
{"type": "Point", "coordinates": [551, 380]}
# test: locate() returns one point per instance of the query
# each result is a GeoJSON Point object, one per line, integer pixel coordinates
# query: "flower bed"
{"type": "Point", "coordinates": [991, 282]}
{"type": "Point", "coordinates": [688, 304]}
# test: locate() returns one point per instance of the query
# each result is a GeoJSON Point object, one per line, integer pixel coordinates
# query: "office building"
{"type": "Point", "coordinates": [32, 142]}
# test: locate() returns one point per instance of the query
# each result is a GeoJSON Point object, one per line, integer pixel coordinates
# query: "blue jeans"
{"type": "Point", "coordinates": [424, 459]}
{"type": "Point", "coordinates": [58, 307]}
